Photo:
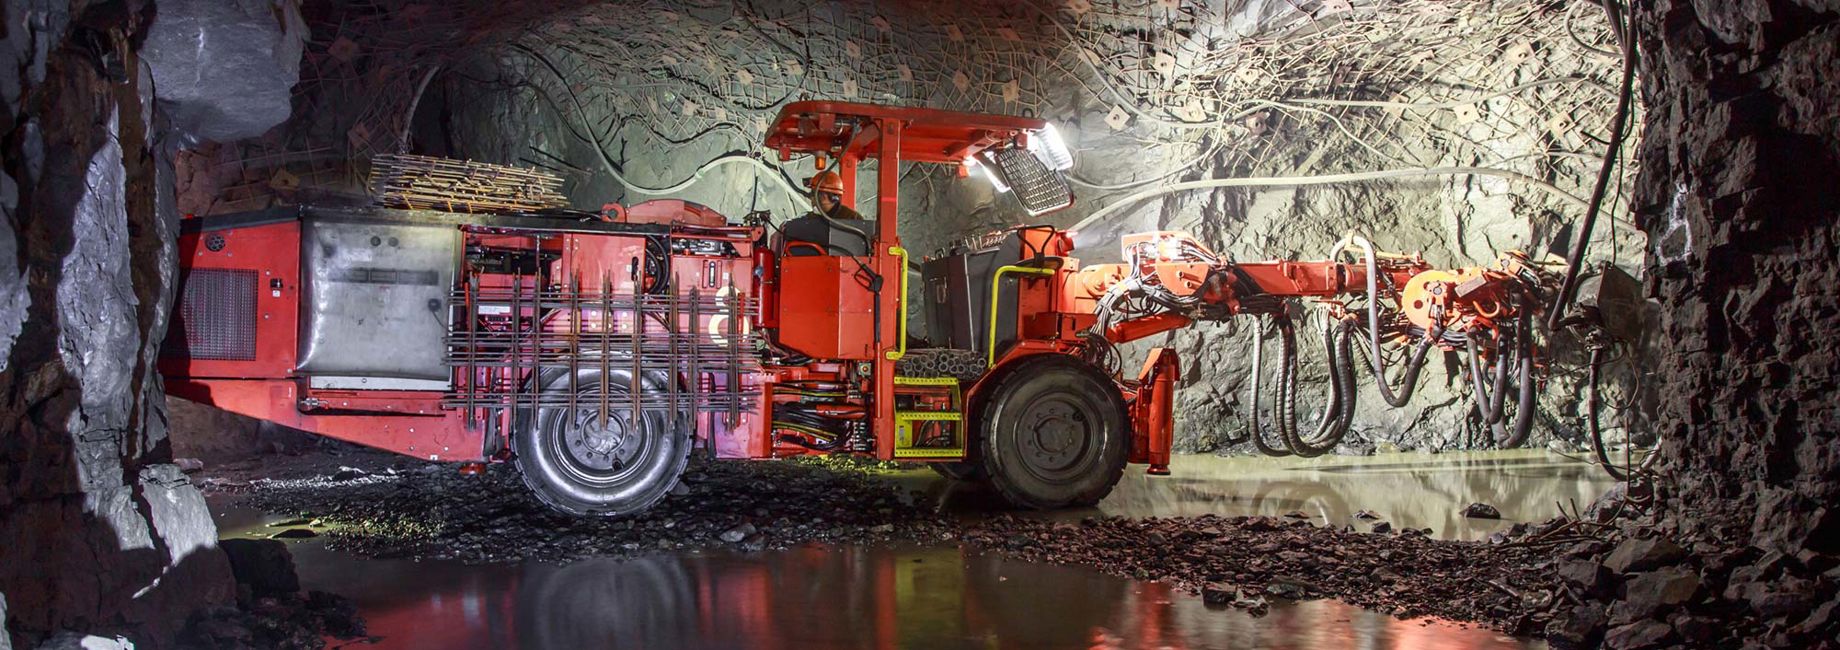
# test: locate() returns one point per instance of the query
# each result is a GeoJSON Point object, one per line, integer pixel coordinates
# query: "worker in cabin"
{"type": "Point", "coordinates": [832, 228]}
{"type": "Point", "coordinates": [828, 187]}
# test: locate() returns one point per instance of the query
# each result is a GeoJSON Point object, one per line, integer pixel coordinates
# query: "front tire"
{"type": "Point", "coordinates": [1054, 434]}
{"type": "Point", "coordinates": [580, 463]}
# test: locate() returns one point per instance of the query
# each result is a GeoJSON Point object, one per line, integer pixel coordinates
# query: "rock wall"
{"type": "Point", "coordinates": [1736, 191]}
{"type": "Point", "coordinates": [102, 534]}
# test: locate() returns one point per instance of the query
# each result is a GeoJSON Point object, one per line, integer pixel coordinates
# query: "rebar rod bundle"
{"type": "Point", "coordinates": [429, 183]}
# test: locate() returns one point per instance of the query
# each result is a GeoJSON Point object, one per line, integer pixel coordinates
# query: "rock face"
{"type": "Point", "coordinates": [235, 84]}
{"type": "Point", "coordinates": [1743, 263]}
{"type": "Point", "coordinates": [1735, 193]}
{"type": "Point", "coordinates": [101, 533]}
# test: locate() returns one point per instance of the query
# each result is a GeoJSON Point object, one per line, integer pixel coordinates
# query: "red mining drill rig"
{"type": "Point", "coordinates": [597, 352]}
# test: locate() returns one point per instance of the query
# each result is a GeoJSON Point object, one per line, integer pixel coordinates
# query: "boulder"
{"type": "Point", "coordinates": [1481, 511]}
{"type": "Point", "coordinates": [1579, 627]}
{"type": "Point", "coordinates": [1638, 635]}
{"type": "Point", "coordinates": [263, 565]}
{"type": "Point", "coordinates": [1637, 554]}
{"type": "Point", "coordinates": [1660, 590]}
{"type": "Point", "coordinates": [1216, 594]}
{"type": "Point", "coordinates": [1589, 576]}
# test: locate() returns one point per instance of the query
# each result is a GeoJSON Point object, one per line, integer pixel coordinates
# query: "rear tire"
{"type": "Point", "coordinates": [578, 463]}
{"type": "Point", "coordinates": [1054, 434]}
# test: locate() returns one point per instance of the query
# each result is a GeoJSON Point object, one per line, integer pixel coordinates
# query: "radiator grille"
{"type": "Point", "coordinates": [216, 317]}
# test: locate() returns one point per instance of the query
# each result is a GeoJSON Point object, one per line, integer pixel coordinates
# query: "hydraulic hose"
{"type": "Point", "coordinates": [1339, 413]}
{"type": "Point", "coordinates": [1488, 400]}
{"type": "Point", "coordinates": [1591, 405]}
{"type": "Point", "coordinates": [1258, 370]}
{"type": "Point", "coordinates": [1490, 404]}
{"type": "Point", "coordinates": [1525, 405]}
{"type": "Point", "coordinates": [1413, 364]}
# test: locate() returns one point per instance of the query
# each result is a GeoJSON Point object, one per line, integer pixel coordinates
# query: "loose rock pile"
{"type": "Point", "coordinates": [1244, 561]}
{"type": "Point", "coordinates": [433, 512]}
{"type": "Point", "coordinates": [1645, 591]}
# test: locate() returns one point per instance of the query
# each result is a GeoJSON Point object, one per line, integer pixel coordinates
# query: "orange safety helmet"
{"type": "Point", "coordinates": [827, 182]}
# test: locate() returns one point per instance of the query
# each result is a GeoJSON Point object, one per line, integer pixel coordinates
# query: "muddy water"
{"type": "Point", "coordinates": [911, 597]}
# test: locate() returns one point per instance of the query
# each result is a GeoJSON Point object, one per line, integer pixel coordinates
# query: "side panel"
{"type": "Point", "coordinates": [825, 311]}
{"type": "Point", "coordinates": [239, 298]}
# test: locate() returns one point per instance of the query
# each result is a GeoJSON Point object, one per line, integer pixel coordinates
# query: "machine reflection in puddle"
{"type": "Point", "coordinates": [828, 597]}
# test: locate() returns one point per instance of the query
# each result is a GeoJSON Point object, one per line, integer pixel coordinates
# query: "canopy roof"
{"type": "Point", "coordinates": [848, 130]}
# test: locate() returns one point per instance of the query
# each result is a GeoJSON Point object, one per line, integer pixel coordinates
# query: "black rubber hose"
{"type": "Point", "coordinates": [1339, 414]}
{"type": "Point", "coordinates": [1287, 380]}
{"type": "Point", "coordinates": [1619, 130]}
{"type": "Point", "coordinates": [1591, 405]}
{"type": "Point", "coordinates": [1487, 400]}
{"type": "Point", "coordinates": [1525, 403]}
{"type": "Point", "coordinates": [1523, 417]}
{"type": "Point", "coordinates": [1413, 364]}
{"type": "Point", "coordinates": [1257, 432]}
{"type": "Point", "coordinates": [1338, 393]}
{"type": "Point", "coordinates": [1346, 350]}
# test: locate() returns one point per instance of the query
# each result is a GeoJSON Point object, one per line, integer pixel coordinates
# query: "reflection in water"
{"type": "Point", "coordinates": [828, 597]}
{"type": "Point", "coordinates": [905, 597]}
{"type": "Point", "coordinates": [1408, 490]}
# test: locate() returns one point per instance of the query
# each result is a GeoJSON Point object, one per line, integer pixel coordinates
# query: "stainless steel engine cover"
{"type": "Point", "coordinates": [374, 298]}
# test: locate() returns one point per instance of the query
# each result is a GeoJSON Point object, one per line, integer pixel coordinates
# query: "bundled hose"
{"type": "Point", "coordinates": [1337, 415]}
{"type": "Point", "coordinates": [1490, 401]}
{"type": "Point", "coordinates": [1258, 371]}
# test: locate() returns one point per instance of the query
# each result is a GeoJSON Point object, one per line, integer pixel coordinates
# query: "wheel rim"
{"type": "Point", "coordinates": [595, 451]}
{"type": "Point", "coordinates": [1057, 436]}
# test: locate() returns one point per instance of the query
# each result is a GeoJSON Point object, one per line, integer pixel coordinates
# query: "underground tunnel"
{"type": "Point", "coordinates": [919, 324]}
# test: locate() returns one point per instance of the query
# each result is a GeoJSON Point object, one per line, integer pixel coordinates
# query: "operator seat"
{"type": "Point", "coordinates": [825, 234]}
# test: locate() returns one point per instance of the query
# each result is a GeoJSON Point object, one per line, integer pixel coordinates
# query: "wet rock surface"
{"type": "Point", "coordinates": [271, 611]}
{"type": "Point", "coordinates": [407, 509]}
{"type": "Point", "coordinates": [1407, 574]}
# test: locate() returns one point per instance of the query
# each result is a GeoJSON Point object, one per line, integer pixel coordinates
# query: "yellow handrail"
{"type": "Point", "coordinates": [996, 282]}
{"type": "Point", "coordinates": [901, 351]}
